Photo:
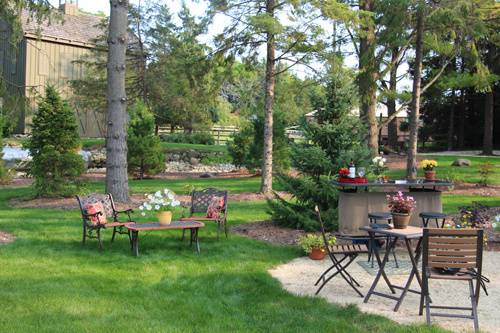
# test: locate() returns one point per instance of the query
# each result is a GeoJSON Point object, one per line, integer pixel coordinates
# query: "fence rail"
{"type": "Point", "coordinates": [223, 134]}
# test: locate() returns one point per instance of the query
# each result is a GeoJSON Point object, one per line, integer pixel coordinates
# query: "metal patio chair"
{"type": "Point", "coordinates": [200, 200]}
{"type": "Point", "coordinates": [93, 231]}
{"type": "Point", "coordinates": [341, 256]}
{"type": "Point", "coordinates": [452, 254]}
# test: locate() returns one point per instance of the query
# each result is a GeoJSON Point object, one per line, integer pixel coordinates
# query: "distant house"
{"type": "Point", "coordinates": [46, 54]}
{"type": "Point", "coordinates": [382, 114]}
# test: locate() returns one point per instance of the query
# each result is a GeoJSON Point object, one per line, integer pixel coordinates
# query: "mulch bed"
{"type": "Point", "coordinates": [136, 201]}
{"type": "Point", "coordinates": [6, 238]}
{"type": "Point", "coordinates": [269, 232]}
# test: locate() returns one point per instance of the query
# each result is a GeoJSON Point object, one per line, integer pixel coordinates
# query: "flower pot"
{"type": "Point", "coordinates": [400, 220]}
{"type": "Point", "coordinates": [430, 175]}
{"type": "Point", "coordinates": [164, 218]}
{"type": "Point", "coordinates": [317, 254]}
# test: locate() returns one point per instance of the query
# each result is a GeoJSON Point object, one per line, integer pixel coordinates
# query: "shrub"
{"type": "Point", "coordinates": [202, 138]}
{"type": "Point", "coordinates": [485, 171]}
{"type": "Point", "coordinates": [53, 144]}
{"type": "Point", "coordinates": [4, 172]}
{"type": "Point", "coordinates": [247, 146]}
{"type": "Point", "coordinates": [145, 154]}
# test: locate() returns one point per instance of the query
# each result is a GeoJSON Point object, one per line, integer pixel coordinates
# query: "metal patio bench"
{"type": "Point", "coordinates": [93, 230]}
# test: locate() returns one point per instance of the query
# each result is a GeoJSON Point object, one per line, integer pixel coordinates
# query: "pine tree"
{"type": "Point", "coordinates": [145, 155]}
{"type": "Point", "coordinates": [53, 145]}
{"type": "Point", "coordinates": [332, 140]}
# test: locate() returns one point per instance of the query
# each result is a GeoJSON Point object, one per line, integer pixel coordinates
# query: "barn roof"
{"type": "Point", "coordinates": [74, 29]}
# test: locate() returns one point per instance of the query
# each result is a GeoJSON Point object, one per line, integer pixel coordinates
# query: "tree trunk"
{"type": "Point", "coordinates": [461, 121]}
{"type": "Point", "coordinates": [411, 163]}
{"type": "Point", "coordinates": [392, 127]}
{"type": "Point", "coordinates": [267, 158]}
{"type": "Point", "coordinates": [451, 121]}
{"type": "Point", "coordinates": [488, 124]}
{"type": "Point", "coordinates": [368, 77]}
{"type": "Point", "coordinates": [489, 109]}
{"type": "Point", "coordinates": [116, 139]}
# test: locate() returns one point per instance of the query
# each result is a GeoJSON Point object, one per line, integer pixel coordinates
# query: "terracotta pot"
{"type": "Point", "coordinates": [164, 218]}
{"type": "Point", "coordinates": [430, 175]}
{"type": "Point", "coordinates": [400, 221]}
{"type": "Point", "coordinates": [317, 254]}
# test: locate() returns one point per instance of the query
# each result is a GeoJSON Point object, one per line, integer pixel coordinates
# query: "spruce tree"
{"type": "Point", "coordinates": [53, 145]}
{"type": "Point", "coordinates": [145, 155]}
{"type": "Point", "coordinates": [331, 140]}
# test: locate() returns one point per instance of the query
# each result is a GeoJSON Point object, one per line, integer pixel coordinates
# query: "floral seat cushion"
{"type": "Point", "coordinates": [93, 208]}
{"type": "Point", "coordinates": [215, 207]}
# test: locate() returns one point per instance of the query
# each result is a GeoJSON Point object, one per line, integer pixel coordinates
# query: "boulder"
{"type": "Point", "coordinates": [461, 162]}
{"type": "Point", "coordinates": [194, 161]}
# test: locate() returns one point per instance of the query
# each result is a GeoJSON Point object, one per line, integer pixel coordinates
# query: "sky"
{"type": "Point", "coordinates": [198, 8]}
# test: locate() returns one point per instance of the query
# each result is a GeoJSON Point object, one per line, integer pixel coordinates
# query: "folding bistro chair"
{"type": "Point", "coordinates": [452, 254]}
{"type": "Point", "coordinates": [341, 256]}
{"type": "Point", "coordinates": [93, 230]}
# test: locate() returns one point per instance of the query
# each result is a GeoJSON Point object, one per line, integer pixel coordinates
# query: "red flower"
{"type": "Point", "coordinates": [343, 172]}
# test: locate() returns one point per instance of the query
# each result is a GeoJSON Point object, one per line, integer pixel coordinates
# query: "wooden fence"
{"type": "Point", "coordinates": [223, 134]}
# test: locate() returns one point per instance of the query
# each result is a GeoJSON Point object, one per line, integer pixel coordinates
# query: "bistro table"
{"type": "Point", "coordinates": [193, 226]}
{"type": "Point", "coordinates": [406, 235]}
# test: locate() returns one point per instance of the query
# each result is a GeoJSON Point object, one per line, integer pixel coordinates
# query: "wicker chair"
{"type": "Point", "coordinates": [91, 230]}
{"type": "Point", "coordinates": [200, 200]}
{"type": "Point", "coordinates": [451, 254]}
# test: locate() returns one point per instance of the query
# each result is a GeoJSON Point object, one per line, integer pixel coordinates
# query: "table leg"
{"type": "Point", "coordinates": [135, 242]}
{"type": "Point", "coordinates": [381, 271]}
{"type": "Point", "coordinates": [196, 239]}
{"type": "Point", "coordinates": [191, 231]}
{"type": "Point", "coordinates": [414, 272]}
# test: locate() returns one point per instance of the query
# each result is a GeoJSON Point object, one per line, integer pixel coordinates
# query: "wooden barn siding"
{"type": "Point", "coordinates": [12, 67]}
{"type": "Point", "coordinates": [48, 62]}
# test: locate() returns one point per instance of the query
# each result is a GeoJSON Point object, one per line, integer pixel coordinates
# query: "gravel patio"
{"type": "Point", "coordinates": [298, 277]}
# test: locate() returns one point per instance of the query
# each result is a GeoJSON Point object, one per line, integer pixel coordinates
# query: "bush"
{"type": "Point", "coordinates": [53, 144]}
{"type": "Point", "coordinates": [247, 146]}
{"type": "Point", "coordinates": [202, 138]}
{"type": "Point", "coordinates": [4, 172]}
{"type": "Point", "coordinates": [145, 154]}
{"type": "Point", "coordinates": [485, 172]}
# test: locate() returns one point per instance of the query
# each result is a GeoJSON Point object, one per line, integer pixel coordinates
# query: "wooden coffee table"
{"type": "Point", "coordinates": [193, 226]}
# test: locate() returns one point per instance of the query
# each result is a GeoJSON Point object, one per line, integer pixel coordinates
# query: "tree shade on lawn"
{"type": "Point", "coordinates": [50, 283]}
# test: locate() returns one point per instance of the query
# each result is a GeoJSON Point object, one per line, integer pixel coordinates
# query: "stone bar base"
{"type": "Point", "coordinates": [355, 206]}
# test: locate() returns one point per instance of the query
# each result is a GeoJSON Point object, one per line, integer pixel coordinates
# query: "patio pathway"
{"type": "Point", "coordinates": [298, 277]}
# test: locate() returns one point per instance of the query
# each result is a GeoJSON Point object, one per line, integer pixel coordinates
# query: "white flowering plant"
{"type": "Point", "coordinates": [496, 224]}
{"type": "Point", "coordinates": [160, 201]}
{"type": "Point", "coordinates": [378, 165]}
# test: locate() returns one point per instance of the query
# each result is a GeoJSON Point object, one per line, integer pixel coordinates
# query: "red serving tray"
{"type": "Point", "coordinates": [357, 180]}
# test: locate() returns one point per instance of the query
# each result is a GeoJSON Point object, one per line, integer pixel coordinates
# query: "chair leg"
{"type": "Point", "coordinates": [322, 276]}
{"type": "Point", "coordinates": [474, 305]}
{"type": "Point", "coordinates": [99, 239]}
{"type": "Point", "coordinates": [113, 236]}
{"type": "Point", "coordinates": [218, 230]}
{"type": "Point", "coordinates": [225, 227]}
{"type": "Point", "coordinates": [84, 234]}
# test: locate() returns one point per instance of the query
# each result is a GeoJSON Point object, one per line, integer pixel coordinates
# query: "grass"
{"type": "Point", "coordinates": [50, 283]}
{"type": "Point", "coordinates": [462, 174]}
{"type": "Point", "coordinates": [184, 186]}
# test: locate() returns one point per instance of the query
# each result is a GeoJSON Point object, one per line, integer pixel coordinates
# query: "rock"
{"type": "Point", "coordinates": [461, 162]}
{"type": "Point", "coordinates": [194, 161]}
{"type": "Point", "coordinates": [205, 175]}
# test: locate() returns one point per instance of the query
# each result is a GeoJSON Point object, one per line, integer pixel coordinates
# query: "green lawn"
{"type": "Point", "coordinates": [50, 283]}
{"type": "Point", "coordinates": [462, 174]}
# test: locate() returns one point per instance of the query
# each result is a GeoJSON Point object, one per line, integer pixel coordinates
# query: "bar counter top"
{"type": "Point", "coordinates": [413, 184]}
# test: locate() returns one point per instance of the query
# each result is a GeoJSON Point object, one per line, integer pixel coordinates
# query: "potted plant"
{"type": "Point", "coordinates": [428, 166]}
{"type": "Point", "coordinates": [161, 202]}
{"type": "Point", "coordinates": [378, 168]}
{"type": "Point", "coordinates": [314, 245]}
{"type": "Point", "coordinates": [401, 207]}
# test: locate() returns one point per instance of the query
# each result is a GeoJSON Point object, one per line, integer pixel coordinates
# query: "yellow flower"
{"type": "Point", "coordinates": [428, 164]}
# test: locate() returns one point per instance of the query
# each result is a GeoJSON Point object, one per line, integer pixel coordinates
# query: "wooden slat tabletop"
{"type": "Point", "coordinates": [172, 225]}
{"type": "Point", "coordinates": [410, 232]}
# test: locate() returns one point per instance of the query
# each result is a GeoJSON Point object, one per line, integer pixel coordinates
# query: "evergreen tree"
{"type": "Point", "coordinates": [145, 155]}
{"type": "Point", "coordinates": [4, 173]}
{"type": "Point", "coordinates": [53, 144]}
{"type": "Point", "coordinates": [332, 140]}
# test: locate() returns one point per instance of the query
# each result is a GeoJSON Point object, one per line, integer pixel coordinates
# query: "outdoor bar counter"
{"type": "Point", "coordinates": [357, 200]}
